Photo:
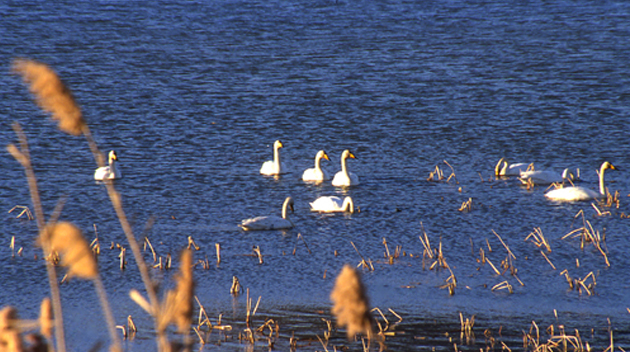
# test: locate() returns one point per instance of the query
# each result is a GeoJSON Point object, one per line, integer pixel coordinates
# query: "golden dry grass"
{"type": "Point", "coordinates": [51, 94]}
{"type": "Point", "coordinates": [350, 303]}
{"type": "Point", "coordinates": [67, 240]}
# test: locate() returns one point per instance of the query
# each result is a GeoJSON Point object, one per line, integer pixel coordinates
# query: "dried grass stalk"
{"type": "Point", "coordinates": [350, 303]}
{"type": "Point", "coordinates": [51, 94]}
{"type": "Point", "coordinates": [46, 318]}
{"type": "Point", "coordinates": [67, 240]}
{"type": "Point", "coordinates": [178, 305]}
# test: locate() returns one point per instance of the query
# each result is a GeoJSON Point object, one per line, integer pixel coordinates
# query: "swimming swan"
{"type": "Point", "coordinates": [504, 168]}
{"type": "Point", "coordinates": [273, 167]}
{"type": "Point", "coordinates": [577, 193]}
{"type": "Point", "coordinates": [316, 174]}
{"type": "Point", "coordinates": [545, 177]}
{"type": "Point", "coordinates": [331, 204]}
{"type": "Point", "coordinates": [108, 172]}
{"type": "Point", "coordinates": [344, 178]}
{"type": "Point", "coordinates": [271, 222]}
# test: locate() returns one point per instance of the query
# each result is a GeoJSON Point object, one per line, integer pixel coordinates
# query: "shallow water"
{"type": "Point", "coordinates": [193, 95]}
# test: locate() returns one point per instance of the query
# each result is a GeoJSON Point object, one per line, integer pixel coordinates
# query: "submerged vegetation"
{"type": "Point", "coordinates": [64, 245]}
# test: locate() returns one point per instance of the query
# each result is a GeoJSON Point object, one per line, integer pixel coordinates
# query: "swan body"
{"type": "Point", "coordinates": [270, 222]}
{"type": "Point", "coordinates": [273, 167]}
{"type": "Point", "coordinates": [578, 193]}
{"type": "Point", "coordinates": [344, 178]}
{"type": "Point", "coordinates": [504, 168]}
{"type": "Point", "coordinates": [332, 204]}
{"type": "Point", "coordinates": [545, 177]}
{"type": "Point", "coordinates": [109, 172]}
{"type": "Point", "coordinates": [316, 174]}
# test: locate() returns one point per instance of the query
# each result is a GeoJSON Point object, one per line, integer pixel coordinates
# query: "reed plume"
{"type": "Point", "coordinates": [177, 308]}
{"type": "Point", "coordinates": [51, 94]}
{"type": "Point", "coordinates": [10, 339]}
{"type": "Point", "coordinates": [46, 318]}
{"type": "Point", "coordinates": [67, 240]}
{"type": "Point", "coordinates": [350, 303]}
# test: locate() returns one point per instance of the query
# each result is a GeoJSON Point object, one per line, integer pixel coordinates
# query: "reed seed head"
{"type": "Point", "coordinates": [46, 318]}
{"type": "Point", "coordinates": [10, 339]}
{"type": "Point", "coordinates": [178, 305]}
{"type": "Point", "coordinates": [67, 240]}
{"type": "Point", "coordinates": [51, 94]}
{"type": "Point", "coordinates": [350, 303]}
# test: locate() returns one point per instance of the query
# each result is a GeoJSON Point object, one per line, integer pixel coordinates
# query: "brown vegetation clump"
{"type": "Point", "coordinates": [46, 318]}
{"type": "Point", "coordinates": [178, 305]}
{"type": "Point", "coordinates": [67, 240]}
{"type": "Point", "coordinates": [350, 303]}
{"type": "Point", "coordinates": [10, 340]}
{"type": "Point", "coordinates": [51, 94]}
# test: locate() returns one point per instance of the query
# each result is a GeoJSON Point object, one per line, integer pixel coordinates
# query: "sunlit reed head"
{"type": "Point", "coordinates": [350, 303]}
{"type": "Point", "coordinates": [51, 94]}
{"type": "Point", "coordinates": [67, 240]}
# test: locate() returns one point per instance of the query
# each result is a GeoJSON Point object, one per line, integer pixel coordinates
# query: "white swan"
{"type": "Point", "coordinates": [316, 174]}
{"type": "Point", "coordinates": [273, 167]}
{"type": "Point", "coordinates": [345, 178]}
{"type": "Point", "coordinates": [108, 172]}
{"type": "Point", "coordinates": [577, 193]}
{"type": "Point", "coordinates": [271, 222]}
{"type": "Point", "coordinates": [545, 177]}
{"type": "Point", "coordinates": [504, 168]}
{"type": "Point", "coordinates": [331, 204]}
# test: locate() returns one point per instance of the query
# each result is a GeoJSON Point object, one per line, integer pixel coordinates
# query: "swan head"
{"type": "Point", "coordinates": [348, 204]}
{"type": "Point", "coordinates": [322, 155]}
{"type": "Point", "coordinates": [499, 167]}
{"type": "Point", "coordinates": [608, 166]}
{"type": "Point", "coordinates": [567, 175]}
{"type": "Point", "coordinates": [288, 204]}
{"type": "Point", "coordinates": [112, 156]}
{"type": "Point", "coordinates": [347, 154]}
{"type": "Point", "coordinates": [277, 145]}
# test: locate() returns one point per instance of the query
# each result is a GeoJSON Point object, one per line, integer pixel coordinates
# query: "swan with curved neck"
{"type": "Point", "coordinates": [504, 168]}
{"type": "Point", "coordinates": [344, 178]}
{"type": "Point", "coordinates": [545, 177]}
{"type": "Point", "coordinates": [273, 167]}
{"type": "Point", "coordinates": [332, 204]}
{"type": "Point", "coordinates": [271, 222]}
{"type": "Point", "coordinates": [578, 193]}
{"type": "Point", "coordinates": [316, 174]}
{"type": "Point", "coordinates": [109, 172]}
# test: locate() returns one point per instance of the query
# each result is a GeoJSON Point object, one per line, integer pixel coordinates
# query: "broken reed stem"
{"type": "Point", "coordinates": [504, 245]}
{"type": "Point", "coordinates": [23, 157]}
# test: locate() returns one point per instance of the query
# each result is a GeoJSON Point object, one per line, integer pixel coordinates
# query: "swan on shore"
{"type": "Point", "coordinates": [271, 222]}
{"type": "Point", "coordinates": [109, 172]}
{"type": "Point", "coordinates": [578, 193]}
{"type": "Point", "coordinates": [316, 174]}
{"type": "Point", "coordinates": [332, 204]}
{"type": "Point", "coordinates": [275, 166]}
{"type": "Point", "coordinates": [344, 178]}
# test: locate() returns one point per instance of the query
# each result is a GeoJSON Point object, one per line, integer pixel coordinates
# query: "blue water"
{"type": "Point", "coordinates": [192, 96]}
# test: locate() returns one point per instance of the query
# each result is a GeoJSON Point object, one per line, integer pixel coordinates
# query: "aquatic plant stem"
{"type": "Point", "coordinates": [109, 317]}
{"type": "Point", "coordinates": [23, 157]}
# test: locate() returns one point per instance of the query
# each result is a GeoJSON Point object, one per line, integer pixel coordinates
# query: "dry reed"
{"type": "Point", "coordinates": [46, 318]}
{"type": "Point", "coordinates": [51, 95]}
{"type": "Point", "coordinates": [350, 303]}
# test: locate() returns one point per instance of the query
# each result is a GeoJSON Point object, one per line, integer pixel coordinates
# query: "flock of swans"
{"type": "Point", "coordinates": [567, 194]}
{"type": "Point", "coordinates": [345, 178]}
{"type": "Point", "coordinates": [324, 204]}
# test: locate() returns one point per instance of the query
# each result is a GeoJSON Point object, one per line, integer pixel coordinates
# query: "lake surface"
{"type": "Point", "coordinates": [192, 96]}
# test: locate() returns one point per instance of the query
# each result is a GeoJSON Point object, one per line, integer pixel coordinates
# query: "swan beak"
{"type": "Point", "coordinates": [292, 209]}
{"type": "Point", "coordinates": [350, 155]}
{"type": "Point", "coordinates": [325, 156]}
{"type": "Point", "coordinates": [279, 144]}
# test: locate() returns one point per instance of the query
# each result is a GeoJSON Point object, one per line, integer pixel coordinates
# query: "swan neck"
{"type": "Point", "coordinates": [112, 166]}
{"type": "Point", "coordinates": [318, 162]}
{"type": "Point", "coordinates": [602, 187]}
{"type": "Point", "coordinates": [344, 169]}
{"type": "Point", "coordinates": [276, 156]}
{"type": "Point", "coordinates": [348, 205]}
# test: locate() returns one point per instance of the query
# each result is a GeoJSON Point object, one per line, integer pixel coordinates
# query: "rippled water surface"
{"type": "Point", "coordinates": [192, 96]}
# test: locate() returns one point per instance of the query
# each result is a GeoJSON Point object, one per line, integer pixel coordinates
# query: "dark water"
{"type": "Point", "coordinates": [193, 94]}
